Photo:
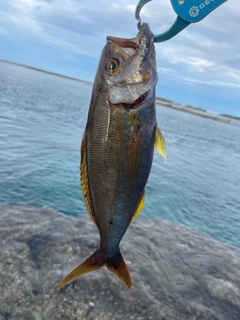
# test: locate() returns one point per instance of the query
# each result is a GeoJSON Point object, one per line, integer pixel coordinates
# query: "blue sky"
{"type": "Point", "coordinates": [198, 67]}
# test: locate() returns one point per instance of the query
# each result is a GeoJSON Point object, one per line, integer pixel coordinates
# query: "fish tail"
{"type": "Point", "coordinates": [95, 262]}
{"type": "Point", "coordinates": [118, 266]}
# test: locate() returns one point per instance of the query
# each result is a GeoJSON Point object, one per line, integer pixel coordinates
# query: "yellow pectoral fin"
{"type": "Point", "coordinates": [84, 180]}
{"type": "Point", "coordinates": [139, 207]}
{"type": "Point", "coordinates": [159, 143]}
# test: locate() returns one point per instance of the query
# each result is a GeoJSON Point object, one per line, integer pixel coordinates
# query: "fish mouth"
{"type": "Point", "coordinates": [135, 104]}
{"type": "Point", "coordinates": [146, 41]}
{"type": "Point", "coordinates": [130, 46]}
{"type": "Point", "coordinates": [143, 43]}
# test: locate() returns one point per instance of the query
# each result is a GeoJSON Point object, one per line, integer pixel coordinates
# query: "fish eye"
{"type": "Point", "coordinates": [112, 65]}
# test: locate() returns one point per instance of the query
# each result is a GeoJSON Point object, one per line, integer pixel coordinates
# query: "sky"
{"type": "Point", "coordinates": [199, 67]}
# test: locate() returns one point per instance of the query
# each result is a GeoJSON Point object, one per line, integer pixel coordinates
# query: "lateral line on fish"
{"type": "Point", "coordinates": [108, 124]}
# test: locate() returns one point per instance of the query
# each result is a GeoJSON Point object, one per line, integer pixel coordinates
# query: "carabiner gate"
{"type": "Point", "coordinates": [186, 13]}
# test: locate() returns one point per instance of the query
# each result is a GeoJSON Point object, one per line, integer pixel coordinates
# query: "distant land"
{"type": "Point", "coordinates": [44, 71]}
{"type": "Point", "coordinates": [225, 118]}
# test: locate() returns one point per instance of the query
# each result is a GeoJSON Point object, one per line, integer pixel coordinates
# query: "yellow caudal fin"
{"type": "Point", "coordinates": [159, 143]}
{"type": "Point", "coordinates": [95, 262]}
{"type": "Point", "coordinates": [118, 266]}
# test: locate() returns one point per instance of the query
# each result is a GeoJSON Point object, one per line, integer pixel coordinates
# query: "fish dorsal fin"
{"type": "Point", "coordinates": [84, 180]}
{"type": "Point", "coordinates": [139, 207]}
{"type": "Point", "coordinates": [159, 143]}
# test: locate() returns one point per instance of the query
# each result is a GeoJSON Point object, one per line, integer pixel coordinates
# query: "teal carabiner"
{"type": "Point", "coordinates": [187, 12]}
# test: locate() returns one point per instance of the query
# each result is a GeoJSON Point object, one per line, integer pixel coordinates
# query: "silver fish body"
{"type": "Point", "coordinates": [118, 145]}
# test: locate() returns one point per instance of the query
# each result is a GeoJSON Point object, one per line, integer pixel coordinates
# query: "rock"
{"type": "Point", "coordinates": [178, 273]}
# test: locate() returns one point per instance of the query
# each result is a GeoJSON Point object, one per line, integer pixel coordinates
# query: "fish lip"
{"type": "Point", "coordinates": [146, 41]}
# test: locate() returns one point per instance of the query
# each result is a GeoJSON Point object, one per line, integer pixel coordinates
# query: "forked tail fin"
{"type": "Point", "coordinates": [96, 261]}
{"type": "Point", "coordinates": [118, 266]}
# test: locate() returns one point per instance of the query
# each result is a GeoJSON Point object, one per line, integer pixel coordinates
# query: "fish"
{"type": "Point", "coordinates": [118, 145]}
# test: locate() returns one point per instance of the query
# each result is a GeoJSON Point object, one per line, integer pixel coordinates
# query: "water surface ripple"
{"type": "Point", "coordinates": [42, 119]}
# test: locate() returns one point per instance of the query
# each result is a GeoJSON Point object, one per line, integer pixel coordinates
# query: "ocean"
{"type": "Point", "coordinates": [42, 120]}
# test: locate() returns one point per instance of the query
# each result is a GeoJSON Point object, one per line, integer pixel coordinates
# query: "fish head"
{"type": "Point", "coordinates": [127, 70]}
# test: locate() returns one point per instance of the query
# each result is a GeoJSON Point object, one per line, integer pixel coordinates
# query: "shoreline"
{"type": "Point", "coordinates": [45, 71]}
{"type": "Point", "coordinates": [196, 112]}
{"type": "Point", "coordinates": [163, 103]}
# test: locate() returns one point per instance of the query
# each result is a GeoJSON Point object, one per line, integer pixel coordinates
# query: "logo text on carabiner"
{"type": "Point", "coordinates": [194, 11]}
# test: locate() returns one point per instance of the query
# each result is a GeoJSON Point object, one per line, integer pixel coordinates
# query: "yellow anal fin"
{"type": "Point", "coordinates": [159, 143]}
{"type": "Point", "coordinates": [96, 261]}
{"type": "Point", "coordinates": [84, 180]}
{"type": "Point", "coordinates": [139, 207]}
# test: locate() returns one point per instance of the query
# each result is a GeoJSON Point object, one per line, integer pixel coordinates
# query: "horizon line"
{"type": "Point", "coordinates": [167, 103]}
{"type": "Point", "coordinates": [45, 71]}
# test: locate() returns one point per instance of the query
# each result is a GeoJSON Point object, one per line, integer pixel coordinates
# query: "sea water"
{"type": "Point", "coordinates": [42, 120]}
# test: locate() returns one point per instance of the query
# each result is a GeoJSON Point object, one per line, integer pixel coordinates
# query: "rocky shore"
{"type": "Point", "coordinates": [178, 273]}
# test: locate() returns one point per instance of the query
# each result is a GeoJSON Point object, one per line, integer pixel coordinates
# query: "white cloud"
{"type": "Point", "coordinates": [203, 53]}
{"type": "Point", "coordinates": [207, 51]}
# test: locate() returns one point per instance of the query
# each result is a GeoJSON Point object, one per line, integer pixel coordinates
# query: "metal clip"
{"type": "Point", "coordinates": [187, 12]}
